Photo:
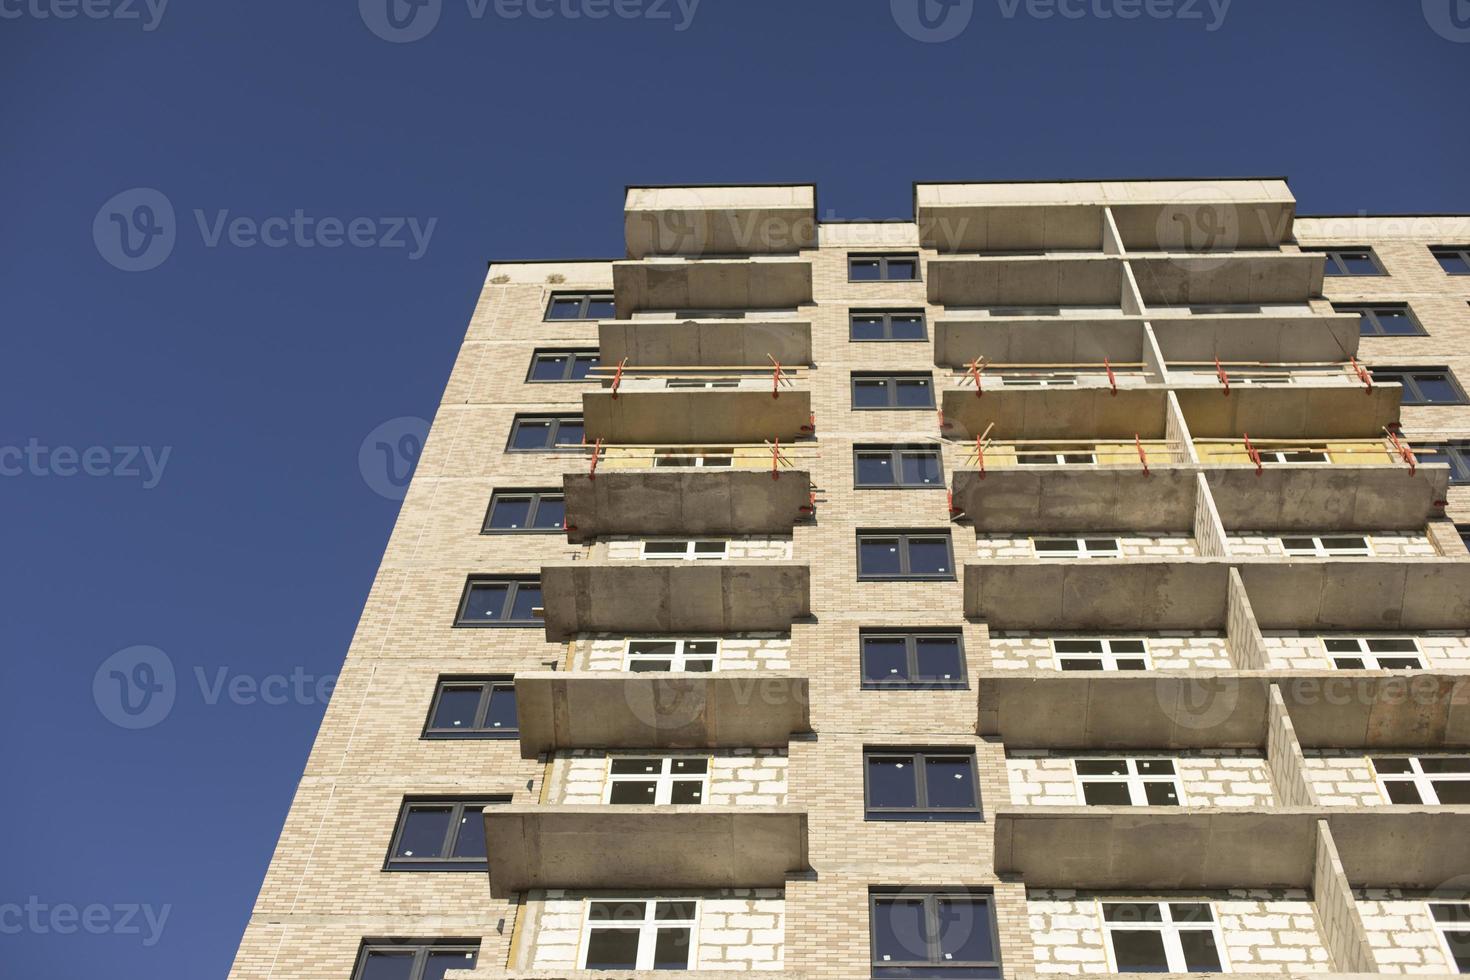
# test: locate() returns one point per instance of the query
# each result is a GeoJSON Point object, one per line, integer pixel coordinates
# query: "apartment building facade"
{"type": "Point", "coordinates": [1066, 580]}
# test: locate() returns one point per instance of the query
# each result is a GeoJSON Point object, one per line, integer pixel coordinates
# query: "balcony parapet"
{"type": "Point", "coordinates": [720, 342]}
{"type": "Point", "coordinates": [734, 220]}
{"type": "Point", "coordinates": [653, 501]}
{"type": "Point", "coordinates": [757, 282]}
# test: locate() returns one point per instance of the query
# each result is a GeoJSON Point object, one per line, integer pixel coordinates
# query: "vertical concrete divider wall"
{"type": "Point", "coordinates": [1176, 431]}
{"type": "Point", "coordinates": [1243, 638]}
{"type": "Point", "coordinates": [1132, 299]}
{"type": "Point", "coordinates": [1112, 241]}
{"type": "Point", "coordinates": [1209, 532]}
{"type": "Point", "coordinates": [1338, 921]}
{"type": "Point", "coordinates": [1154, 367]}
{"type": "Point", "coordinates": [1284, 757]}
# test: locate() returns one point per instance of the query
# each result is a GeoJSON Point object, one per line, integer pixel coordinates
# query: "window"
{"type": "Point", "coordinates": [562, 365]}
{"type": "Point", "coordinates": [1434, 780]}
{"type": "Point", "coordinates": [1382, 319]}
{"type": "Point", "coordinates": [500, 602]}
{"type": "Point", "coordinates": [525, 511]}
{"type": "Point", "coordinates": [912, 660]}
{"type": "Point", "coordinates": [1337, 546]}
{"type": "Point", "coordinates": [1051, 379]}
{"type": "Point", "coordinates": [702, 383]}
{"type": "Point", "coordinates": [1128, 782]}
{"type": "Point", "coordinates": [1453, 259]}
{"type": "Point", "coordinates": [580, 306]}
{"type": "Point", "coordinates": [1464, 532]}
{"type": "Point", "coordinates": [946, 932]}
{"type": "Point", "coordinates": [883, 555]}
{"type": "Point", "coordinates": [473, 707]}
{"type": "Point", "coordinates": [1295, 456]}
{"type": "Point", "coordinates": [889, 325]}
{"type": "Point", "coordinates": [1354, 260]}
{"type": "Point", "coordinates": [1101, 654]}
{"type": "Point", "coordinates": [1212, 309]}
{"type": "Point", "coordinates": [440, 835]}
{"type": "Point", "coordinates": [671, 780]}
{"type": "Point", "coordinates": [1076, 455]}
{"type": "Point", "coordinates": [1163, 937]}
{"type": "Point", "coordinates": [687, 656]}
{"type": "Point", "coordinates": [1423, 386]}
{"type": "Point", "coordinates": [899, 267]}
{"type": "Point", "coordinates": [639, 935]}
{"type": "Point", "coordinates": [1373, 653]}
{"type": "Point", "coordinates": [690, 549]}
{"type": "Point", "coordinates": [934, 784]}
{"type": "Point", "coordinates": [888, 391]}
{"type": "Point", "coordinates": [716, 459]}
{"type": "Point", "coordinates": [1076, 547]}
{"type": "Point", "coordinates": [895, 466]}
{"type": "Point", "coordinates": [1455, 454]}
{"type": "Point", "coordinates": [414, 959]}
{"type": "Point", "coordinates": [545, 433]}
{"type": "Point", "coordinates": [1452, 922]}
{"type": "Point", "coordinates": [1026, 310]}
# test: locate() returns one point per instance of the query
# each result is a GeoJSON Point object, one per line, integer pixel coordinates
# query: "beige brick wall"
{"type": "Point", "coordinates": [1222, 777]}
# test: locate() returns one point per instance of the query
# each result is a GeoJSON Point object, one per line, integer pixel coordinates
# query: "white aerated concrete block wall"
{"type": "Point", "coordinates": [1174, 650]}
{"type": "Point", "coordinates": [1342, 777]}
{"type": "Point", "coordinates": [1223, 777]}
{"type": "Point", "coordinates": [737, 777]}
{"type": "Point", "coordinates": [1401, 932]}
{"type": "Point", "coordinates": [1167, 546]}
{"type": "Point", "coordinates": [1441, 650]}
{"type": "Point", "coordinates": [741, 651]}
{"type": "Point", "coordinates": [1390, 544]}
{"type": "Point", "coordinates": [738, 548]}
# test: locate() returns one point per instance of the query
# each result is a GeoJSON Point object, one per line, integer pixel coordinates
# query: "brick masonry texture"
{"type": "Point", "coordinates": [743, 777]}
{"type": "Point", "coordinates": [1401, 931]}
{"type": "Point", "coordinates": [1222, 777]}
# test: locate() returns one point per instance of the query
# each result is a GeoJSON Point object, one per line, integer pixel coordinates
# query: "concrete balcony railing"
{"type": "Point", "coordinates": [1209, 278]}
{"type": "Point", "coordinates": [960, 339]}
{"type": "Point", "coordinates": [685, 500]}
{"type": "Point", "coordinates": [1083, 414]}
{"type": "Point", "coordinates": [643, 847]}
{"type": "Point", "coordinates": [757, 282]}
{"type": "Point", "coordinates": [735, 220]}
{"type": "Point", "coordinates": [1061, 279]}
{"type": "Point", "coordinates": [1344, 410]}
{"type": "Point", "coordinates": [686, 410]}
{"type": "Point", "coordinates": [706, 342]}
{"type": "Point", "coordinates": [1262, 337]}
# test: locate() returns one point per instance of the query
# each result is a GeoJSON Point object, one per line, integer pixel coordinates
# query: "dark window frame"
{"type": "Point", "coordinates": [903, 536]}
{"type": "Point", "coordinates": [572, 354]}
{"type": "Point", "coordinates": [883, 259]}
{"type": "Point", "coordinates": [515, 582]}
{"type": "Point", "coordinates": [895, 454]}
{"type": "Point", "coordinates": [420, 950]}
{"type": "Point", "coordinates": [457, 805]}
{"type": "Point", "coordinates": [1368, 316]}
{"type": "Point", "coordinates": [587, 297]}
{"type": "Point", "coordinates": [1413, 394]}
{"type": "Point", "coordinates": [488, 683]}
{"type": "Point", "coordinates": [557, 422]}
{"type": "Point", "coordinates": [892, 377]}
{"type": "Point", "coordinates": [919, 812]}
{"type": "Point", "coordinates": [1461, 252]}
{"type": "Point", "coordinates": [911, 656]}
{"type": "Point", "coordinates": [1456, 453]}
{"type": "Point", "coordinates": [936, 966]}
{"type": "Point", "coordinates": [887, 318]}
{"type": "Point", "coordinates": [1337, 267]}
{"type": "Point", "coordinates": [536, 495]}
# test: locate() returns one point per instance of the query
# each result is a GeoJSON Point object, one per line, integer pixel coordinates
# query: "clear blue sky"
{"type": "Point", "coordinates": [249, 549]}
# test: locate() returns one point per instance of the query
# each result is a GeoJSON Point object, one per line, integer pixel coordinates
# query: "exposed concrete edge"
{"type": "Point", "coordinates": [1246, 645]}
{"type": "Point", "coordinates": [1284, 758]}
{"type": "Point", "coordinates": [1339, 922]}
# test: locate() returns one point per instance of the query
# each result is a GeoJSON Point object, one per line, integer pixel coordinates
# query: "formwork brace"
{"type": "Point", "coordinates": [1142, 456]}
{"type": "Point", "coordinates": [1252, 452]}
{"type": "Point", "coordinates": [777, 378]}
{"type": "Point", "coordinates": [1405, 453]}
{"type": "Point", "coordinates": [980, 442]}
{"type": "Point", "coordinates": [975, 367]}
{"type": "Point", "coordinates": [1224, 378]}
{"type": "Point", "coordinates": [1362, 374]}
{"type": "Point", "coordinates": [618, 377]}
{"type": "Point", "coordinates": [1112, 378]}
{"type": "Point", "coordinates": [596, 455]}
{"type": "Point", "coordinates": [953, 510]}
{"type": "Point", "coordinates": [811, 425]}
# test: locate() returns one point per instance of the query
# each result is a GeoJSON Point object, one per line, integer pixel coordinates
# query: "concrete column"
{"type": "Point", "coordinates": [1338, 920]}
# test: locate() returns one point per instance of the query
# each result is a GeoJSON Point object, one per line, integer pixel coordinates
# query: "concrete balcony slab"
{"type": "Point", "coordinates": [1184, 279]}
{"type": "Point", "coordinates": [674, 597]}
{"type": "Point", "coordinates": [1378, 710]}
{"type": "Point", "coordinates": [617, 710]}
{"type": "Point", "coordinates": [699, 416]}
{"type": "Point", "coordinates": [1102, 593]}
{"type": "Point", "coordinates": [959, 340]}
{"type": "Point", "coordinates": [749, 342]}
{"type": "Point", "coordinates": [755, 283]}
{"type": "Point", "coordinates": [684, 501]}
{"type": "Point", "coordinates": [1053, 280]}
{"type": "Point", "coordinates": [1321, 497]}
{"type": "Point", "coordinates": [1264, 337]}
{"type": "Point", "coordinates": [1287, 411]}
{"type": "Point", "coordinates": [1038, 499]}
{"type": "Point", "coordinates": [1083, 413]}
{"type": "Point", "coordinates": [1358, 593]}
{"type": "Point", "coordinates": [735, 220]}
{"type": "Point", "coordinates": [644, 847]}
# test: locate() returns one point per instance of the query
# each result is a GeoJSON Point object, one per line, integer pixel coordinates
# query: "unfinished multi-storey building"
{"type": "Point", "coordinates": [1063, 581]}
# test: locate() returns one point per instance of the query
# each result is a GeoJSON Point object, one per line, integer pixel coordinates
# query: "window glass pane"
{"type": "Point", "coordinates": [486, 602]}
{"type": "Point", "coordinates": [612, 949]}
{"type": "Point", "coordinates": [1200, 955]}
{"type": "Point", "coordinates": [928, 556]}
{"type": "Point", "coordinates": [964, 930]}
{"type": "Point", "coordinates": [1399, 663]}
{"type": "Point", "coordinates": [1348, 663]}
{"type": "Point", "coordinates": [891, 782]}
{"type": "Point", "coordinates": [569, 433]}
{"type": "Point", "coordinates": [632, 791]}
{"type": "Point", "coordinates": [902, 269]}
{"type": "Point", "coordinates": [1396, 322]}
{"type": "Point", "coordinates": [878, 556]}
{"type": "Point", "coordinates": [914, 393]}
{"type": "Point", "coordinates": [471, 840]}
{"type": "Point", "coordinates": [1160, 794]}
{"type": "Point", "coordinates": [440, 963]}
{"type": "Point", "coordinates": [864, 270]}
{"type": "Point", "coordinates": [531, 435]}
{"type": "Point", "coordinates": [600, 309]}
{"type": "Point", "coordinates": [1436, 388]}
{"type": "Point", "coordinates": [565, 309]}
{"type": "Point", "coordinates": [920, 468]}
{"type": "Point", "coordinates": [424, 830]}
{"type": "Point", "coordinates": [528, 597]}
{"type": "Point", "coordinates": [671, 949]}
{"type": "Point", "coordinates": [667, 911]}
{"type": "Point", "coordinates": [1358, 263]}
{"type": "Point", "coordinates": [510, 513]}
{"type": "Point", "coordinates": [1459, 943]}
{"type": "Point", "coordinates": [689, 767]}
{"type": "Point", "coordinates": [1078, 646]}
{"type": "Point", "coordinates": [907, 326]}
{"type": "Point", "coordinates": [939, 658]}
{"type": "Point", "coordinates": [899, 935]}
{"type": "Point", "coordinates": [582, 364]}
{"type": "Point", "coordinates": [1392, 765]}
{"type": "Point", "coordinates": [1392, 646]}
{"type": "Point", "coordinates": [709, 547]}
{"type": "Point", "coordinates": [1077, 663]}
{"type": "Point", "coordinates": [1190, 912]}
{"type": "Point", "coordinates": [949, 781]}
{"type": "Point", "coordinates": [1450, 913]}
{"type": "Point", "coordinates": [549, 367]}
{"type": "Point", "coordinates": [456, 707]}
{"type": "Point", "coordinates": [388, 965]}
{"type": "Point", "coordinates": [1139, 951]}
{"type": "Point", "coordinates": [686, 792]}
{"type": "Point", "coordinates": [875, 469]}
{"type": "Point", "coordinates": [1102, 767]}
{"type": "Point", "coordinates": [867, 328]}
{"type": "Point", "coordinates": [1130, 663]}
{"type": "Point", "coordinates": [1132, 912]}
{"type": "Point", "coordinates": [1452, 792]}
{"type": "Point", "coordinates": [1402, 792]}
{"type": "Point", "coordinates": [502, 711]}
{"type": "Point", "coordinates": [1453, 763]}
{"type": "Point", "coordinates": [869, 392]}
{"type": "Point", "coordinates": [1155, 767]}
{"type": "Point", "coordinates": [1105, 794]}
{"type": "Point", "coordinates": [884, 659]}
{"type": "Point", "coordinates": [1127, 646]}
{"type": "Point", "coordinates": [551, 513]}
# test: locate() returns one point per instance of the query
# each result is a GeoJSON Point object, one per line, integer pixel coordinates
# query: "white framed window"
{"type": "Point", "coordinates": [705, 459]}
{"type": "Point", "coordinates": [1124, 781]}
{"type": "Point", "coordinates": [1452, 924]}
{"type": "Point", "coordinates": [1076, 547]}
{"type": "Point", "coordinates": [1061, 455]}
{"type": "Point", "coordinates": [1326, 546]}
{"type": "Point", "coordinates": [1373, 652]}
{"type": "Point", "coordinates": [702, 383]}
{"type": "Point", "coordinates": [1295, 456]}
{"type": "Point", "coordinates": [683, 549]}
{"type": "Point", "coordinates": [676, 780]}
{"type": "Point", "coordinates": [1039, 380]}
{"type": "Point", "coordinates": [1102, 653]}
{"type": "Point", "coordinates": [691, 656]}
{"type": "Point", "coordinates": [640, 934]}
{"type": "Point", "coordinates": [1429, 780]}
{"type": "Point", "coordinates": [1163, 937]}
